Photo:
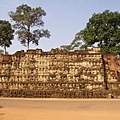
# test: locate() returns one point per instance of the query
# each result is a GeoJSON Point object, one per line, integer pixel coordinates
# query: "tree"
{"type": "Point", "coordinates": [77, 44]}
{"type": "Point", "coordinates": [6, 34]}
{"type": "Point", "coordinates": [25, 19]}
{"type": "Point", "coordinates": [66, 47]}
{"type": "Point", "coordinates": [103, 30]}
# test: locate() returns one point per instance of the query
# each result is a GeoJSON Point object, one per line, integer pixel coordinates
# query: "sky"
{"type": "Point", "coordinates": [64, 18]}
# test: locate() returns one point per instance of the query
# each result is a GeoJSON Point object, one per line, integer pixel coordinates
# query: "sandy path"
{"type": "Point", "coordinates": [59, 109]}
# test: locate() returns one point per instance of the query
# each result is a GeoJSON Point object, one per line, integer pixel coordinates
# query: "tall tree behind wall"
{"type": "Point", "coordinates": [25, 19]}
{"type": "Point", "coordinates": [103, 29]}
{"type": "Point", "coordinates": [6, 34]}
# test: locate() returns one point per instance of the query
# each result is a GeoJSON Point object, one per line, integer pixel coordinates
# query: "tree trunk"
{"type": "Point", "coordinates": [28, 40]}
{"type": "Point", "coordinates": [28, 45]}
{"type": "Point", "coordinates": [4, 49]}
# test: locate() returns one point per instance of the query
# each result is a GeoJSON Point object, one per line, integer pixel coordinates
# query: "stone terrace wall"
{"type": "Point", "coordinates": [56, 73]}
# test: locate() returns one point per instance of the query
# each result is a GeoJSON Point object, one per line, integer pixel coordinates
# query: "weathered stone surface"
{"type": "Point", "coordinates": [58, 71]}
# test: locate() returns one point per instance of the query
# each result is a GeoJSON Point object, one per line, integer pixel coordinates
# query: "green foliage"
{"type": "Point", "coordinates": [6, 34]}
{"type": "Point", "coordinates": [77, 44]}
{"type": "Point", "coordinates": [74, 45]}
{"type": "Point", "coordinates": [103, 29]}
{"type": "Point", "coordinates": [66, 47]}
{"type": "Point", "coordinates": [26, 18]}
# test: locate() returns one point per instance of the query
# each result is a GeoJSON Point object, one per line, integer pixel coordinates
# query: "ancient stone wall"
{"type": "Point", "coordinates": [57, 73]}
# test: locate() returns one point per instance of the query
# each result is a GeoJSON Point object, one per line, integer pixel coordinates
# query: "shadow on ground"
{"type": "Point", "coordinates": [1, 114]}
{"type": "Point", "coordinates": [1, 106]}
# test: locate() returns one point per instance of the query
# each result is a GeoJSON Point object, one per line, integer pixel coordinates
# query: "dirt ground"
{"type": "Point", "coordinates": [59, 109]}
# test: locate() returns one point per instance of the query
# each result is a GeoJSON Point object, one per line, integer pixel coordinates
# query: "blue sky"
{"type": "Point", "coordinates": [64, 18]}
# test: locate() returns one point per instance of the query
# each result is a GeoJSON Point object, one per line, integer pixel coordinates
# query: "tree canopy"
{"type": "Point", "coordinates": [75, 44]}
{"type": "Point", "coordinates": [102, 30]}
{"type": "Point", "coordinates": [25, 19]}
{"type": "Point", "coordinates": [6, 34]}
